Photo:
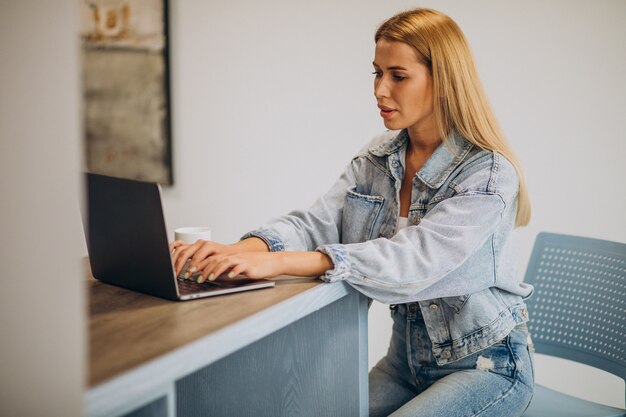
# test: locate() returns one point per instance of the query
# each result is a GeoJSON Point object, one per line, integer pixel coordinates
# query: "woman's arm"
{"type": "Point", "coordinates": [249, 257]}
{"type": "Point", "coordinates": [265, 265]}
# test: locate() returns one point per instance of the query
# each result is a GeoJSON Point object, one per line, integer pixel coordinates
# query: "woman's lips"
{"type": "Point", "coordinates": [386, 112]}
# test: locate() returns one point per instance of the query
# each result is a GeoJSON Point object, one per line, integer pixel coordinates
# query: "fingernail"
{"type": "Point", "coordinates": [186, 275]}
{"type": "Point", "coordinates": [231, 275]}
{"type": "Point", "coordinates": [193, 269]}
{"type": "Point", "coordinates": [212, 277]}
{"type": "Point", "coordinates": [200, 279]}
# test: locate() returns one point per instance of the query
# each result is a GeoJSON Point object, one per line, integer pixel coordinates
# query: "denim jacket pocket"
{"type": "Point", "coordinates": [456, 303]}
{"type": "Point", "coordinates": [359, 217]}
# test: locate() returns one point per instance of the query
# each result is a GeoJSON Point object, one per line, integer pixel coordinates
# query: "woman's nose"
{"type": "Point", "coordinates": [381, 89]}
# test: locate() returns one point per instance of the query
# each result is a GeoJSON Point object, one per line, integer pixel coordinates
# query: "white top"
{"type": "Point", "coordinates": [402, 222]}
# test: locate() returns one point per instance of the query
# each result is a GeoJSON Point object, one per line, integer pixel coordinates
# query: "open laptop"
{"type": "Point", "coordinates": [128, 246]}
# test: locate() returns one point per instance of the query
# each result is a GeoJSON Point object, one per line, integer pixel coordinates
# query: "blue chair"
{"type": "Point", "coordinates": [577, 312]}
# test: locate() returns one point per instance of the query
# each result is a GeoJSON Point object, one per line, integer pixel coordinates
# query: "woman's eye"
{"type": "Point", "coordinates": [379, 74]}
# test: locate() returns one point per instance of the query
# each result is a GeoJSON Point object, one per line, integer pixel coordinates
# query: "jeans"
{"type": "Point", "coordinates": [497, 381]}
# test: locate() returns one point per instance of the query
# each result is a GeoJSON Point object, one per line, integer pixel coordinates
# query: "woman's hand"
{"type": "Point", "coordinates": [196, 252]}
{"type": "Point", "coordinates": [203, 249]}
{"type": "Point", "coordinates": [249, 264]}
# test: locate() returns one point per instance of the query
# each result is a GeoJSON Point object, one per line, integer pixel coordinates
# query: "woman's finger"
{"type": "Point", "coordinates": [186, 254]}
{"type": "Point", "coordinates": [176, 244]}
{"type": "Point", "coordinates": [237, 270]}
{"type": "Point", "coordinates": [205, 251]}
{"type": "Point", "coordinates": [218, 265]}
{"type": "Point", "coordinates": [176, 253]}
{"type": "Point", "coordinates": [207, 266]}
{"type": "Point", "coordinates": [222, 265]}
{"type": "Point", "coordinates": [178, 257]}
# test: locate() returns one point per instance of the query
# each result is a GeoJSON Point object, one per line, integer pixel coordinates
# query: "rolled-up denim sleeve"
{"type": "Point", "coordinates": [404, 267]}
{"type": "Point", "coordinates": [271, 239]}
{"type": "Point", "coordinates": [305, 230]}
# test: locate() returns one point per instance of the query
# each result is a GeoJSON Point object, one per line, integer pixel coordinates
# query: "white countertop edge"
{"type": "Point", "coordinates": [113, 396]}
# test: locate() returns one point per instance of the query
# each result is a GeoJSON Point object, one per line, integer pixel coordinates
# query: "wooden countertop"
{"type": "Point", "coordinates": [129, 329]}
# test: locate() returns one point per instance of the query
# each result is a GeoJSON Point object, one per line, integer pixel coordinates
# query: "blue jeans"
{"type": "Point", "coordinates": [497, 381]}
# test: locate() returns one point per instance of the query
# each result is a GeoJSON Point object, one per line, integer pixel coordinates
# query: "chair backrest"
{"type": "Point", "coordinates": [578, 308]}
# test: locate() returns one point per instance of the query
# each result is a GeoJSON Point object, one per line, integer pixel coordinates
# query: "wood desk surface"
{"type": "Point", "coordinates": [128, 329]}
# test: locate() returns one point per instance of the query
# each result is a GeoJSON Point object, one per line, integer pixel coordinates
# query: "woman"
{"type": "Point", "coordinates": [420, 219]}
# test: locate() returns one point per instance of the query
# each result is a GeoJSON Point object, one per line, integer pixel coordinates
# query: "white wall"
{"type": "Point", "coordinates": [271, 99]}
{"type": "Point", "coordinates": [41, 291]}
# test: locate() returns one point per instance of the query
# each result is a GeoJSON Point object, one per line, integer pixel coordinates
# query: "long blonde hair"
{"type": "Point", "coordinates": [459, 100]}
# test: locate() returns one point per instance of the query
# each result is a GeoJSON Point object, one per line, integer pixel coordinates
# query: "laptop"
{"type": "Point", "coordinates": [128, 247]}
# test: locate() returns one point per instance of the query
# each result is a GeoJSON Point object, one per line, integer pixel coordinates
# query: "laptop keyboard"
{"type": "Point", "coordinates": [191, 286]}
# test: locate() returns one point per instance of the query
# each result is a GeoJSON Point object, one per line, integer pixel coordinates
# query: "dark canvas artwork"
{"type": "Point", "coordinates": [126, 89]}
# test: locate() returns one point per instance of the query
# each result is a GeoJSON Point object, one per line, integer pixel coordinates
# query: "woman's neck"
{"type": "Point", "coordinates": [423, 140]}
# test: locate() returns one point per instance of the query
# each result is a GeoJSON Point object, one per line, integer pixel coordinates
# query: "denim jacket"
{"type": "Point", "coordinates": [456, 257]}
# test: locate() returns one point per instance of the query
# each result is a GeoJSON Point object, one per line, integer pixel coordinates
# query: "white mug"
{"type": "Point", "coordinates": [192, 234]}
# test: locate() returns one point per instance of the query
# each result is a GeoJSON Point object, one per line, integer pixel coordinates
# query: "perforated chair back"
{"type": "Point", "coordinates": [578, 308]}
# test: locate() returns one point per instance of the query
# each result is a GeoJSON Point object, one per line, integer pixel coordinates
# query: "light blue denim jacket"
{"type": "Point", "coordinates": [455, 258]}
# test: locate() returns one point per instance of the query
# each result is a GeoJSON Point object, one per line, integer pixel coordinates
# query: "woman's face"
{"type": "Point", "coordinates": [403, 88]}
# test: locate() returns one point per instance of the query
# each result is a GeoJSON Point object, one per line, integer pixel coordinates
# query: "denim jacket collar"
{"type": "Point", "coordinates": [448, 155]}
{"type": "Point", "coordinates": [388, 147]}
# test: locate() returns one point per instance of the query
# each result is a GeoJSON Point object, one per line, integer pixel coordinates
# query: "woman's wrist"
{"type": "Point", "coordinates": [251, 244]}
{"type": "Point", "coordinates": [305, 264]}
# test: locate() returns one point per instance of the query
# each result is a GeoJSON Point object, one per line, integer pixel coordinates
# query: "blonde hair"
{"type": "Point", "coordinates": [459, 100]}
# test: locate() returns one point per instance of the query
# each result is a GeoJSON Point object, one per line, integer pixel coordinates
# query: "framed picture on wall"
{"type": "Point", "coordinates": [126, 89]}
